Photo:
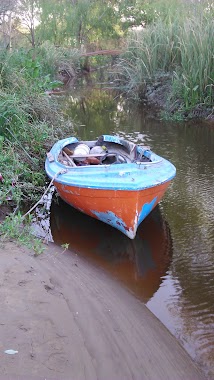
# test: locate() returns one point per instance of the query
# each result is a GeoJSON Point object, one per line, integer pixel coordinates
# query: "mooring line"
{"type": "Point", "coordinates": [62, 171]}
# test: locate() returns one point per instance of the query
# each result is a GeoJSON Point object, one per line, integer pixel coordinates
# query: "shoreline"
{"type": "Point", "coordinates": [68, 319]}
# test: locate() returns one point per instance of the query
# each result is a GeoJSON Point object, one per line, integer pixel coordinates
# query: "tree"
{"type": "Point", "coordinates": [7, 9]}
{"type": "Point", "coordinates": [29, 15]}
{"type": "Point", "coordinates": [78, 22]}
{"type": "Point", "coordinates": [7, 6]}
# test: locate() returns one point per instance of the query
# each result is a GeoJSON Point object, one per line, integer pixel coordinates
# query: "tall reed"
{"type": "Point", "coordinates": [194, 76]}
{"type": "Point", "coordinates": [181, 45]}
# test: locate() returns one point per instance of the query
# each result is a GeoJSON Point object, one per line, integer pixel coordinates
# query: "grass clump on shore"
{"type": "Point", "coordinates": [30, 121]}
{"type": "Point", "coordinates": [21, 231]}
{"type": "Point", "coordinates": [176, 49]}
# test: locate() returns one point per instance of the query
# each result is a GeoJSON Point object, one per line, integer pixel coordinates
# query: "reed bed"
{"type": "Point", "coordinates": [180, 46]}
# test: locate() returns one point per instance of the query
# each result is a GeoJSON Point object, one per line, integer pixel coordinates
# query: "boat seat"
{"type": "Point", "coordinates": [112, 140]}
{"type": "Point", "coordinates": [114, 144]}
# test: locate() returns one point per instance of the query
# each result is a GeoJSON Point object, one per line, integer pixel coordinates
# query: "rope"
{"type": "Point", "coordinates": [63, 171]}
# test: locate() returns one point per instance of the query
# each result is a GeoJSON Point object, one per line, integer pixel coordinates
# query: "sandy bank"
{"type": "Point", "coordinates": [68, 320]}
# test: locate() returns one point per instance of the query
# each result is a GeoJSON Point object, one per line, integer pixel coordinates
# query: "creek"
{"type": "Point", "coordinates": [170, 263]}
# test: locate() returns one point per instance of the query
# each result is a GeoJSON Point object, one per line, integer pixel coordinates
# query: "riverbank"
{"type": "Point", "coordinates": [68, 319]}
{"type": "Point", "coordinates": [156, 98]}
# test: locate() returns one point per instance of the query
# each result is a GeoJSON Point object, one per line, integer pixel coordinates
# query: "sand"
{"type": "Point", "coordinates": [69, 320]}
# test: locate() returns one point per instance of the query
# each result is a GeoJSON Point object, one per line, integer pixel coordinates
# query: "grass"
{"type": "Point", "coordinates": [179, 46]}
{"type": "Point", "coordinates": [30, 122]}
{"type": "Point", "coordinates": [60, 58]}
{"type": "Point", "coordinates": [15, 228]}
{"type": "Point", "coordinates": [194, 77]}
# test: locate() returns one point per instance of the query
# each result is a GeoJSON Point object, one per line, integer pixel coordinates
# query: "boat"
{"type": "Point", "coordinates": [110, 179]}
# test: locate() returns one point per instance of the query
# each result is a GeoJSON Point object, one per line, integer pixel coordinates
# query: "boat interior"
{"type": "Point", "coordinates": [102, 152]}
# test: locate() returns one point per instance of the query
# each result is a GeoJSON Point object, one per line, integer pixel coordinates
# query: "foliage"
{"type": "Point", "coordinates": [77, 22]}
{"type": "Point", "coordinates": [30, 121]}
{"type": "Point", "coordinates": [179, 45]}
{"type": "Point", "coordinates": [72, 23]}
{"type": "Point", "coordinates": [56, 58]}
{"type": "Point", "coordinates": [28, 14]}
{"type": "Point", "coordinates": [194, 78]}
{"type": "Point", "coordinates": [6, 6]}
{"type": "Point", "coordinates": [14, 227]}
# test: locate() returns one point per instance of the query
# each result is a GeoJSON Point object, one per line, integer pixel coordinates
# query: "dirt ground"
{"type": "Point", "coordinates": [69, 320]}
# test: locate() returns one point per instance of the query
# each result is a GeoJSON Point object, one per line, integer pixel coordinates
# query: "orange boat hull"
{"type": "Point", "coordinates": [122, 209]}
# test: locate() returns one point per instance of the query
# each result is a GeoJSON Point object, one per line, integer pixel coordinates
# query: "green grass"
{"type": "Point", "coordinates": [30, 122]}
{"type": "Point", "coordinates": [15, 228]}
{"type": "Point", "coordinates": [180, 45]}
{"type": "Point", "coordinates": [194, 77]}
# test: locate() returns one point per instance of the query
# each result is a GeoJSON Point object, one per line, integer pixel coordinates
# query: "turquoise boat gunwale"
{"type": "Point", "coordinates": [133, 176]}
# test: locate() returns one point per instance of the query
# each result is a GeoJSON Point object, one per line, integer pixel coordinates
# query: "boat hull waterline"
{"type": "Point", "coordinates": [121, 195]}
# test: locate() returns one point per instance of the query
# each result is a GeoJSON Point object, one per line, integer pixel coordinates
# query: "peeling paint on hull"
{"type": "Point", "coordinates": [122, 209]}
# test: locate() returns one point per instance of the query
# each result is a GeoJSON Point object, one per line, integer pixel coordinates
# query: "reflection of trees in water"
{"type": "Point", "coordinates": [140, 263]}
{"type": "Point", "coordinates": [97, 109]}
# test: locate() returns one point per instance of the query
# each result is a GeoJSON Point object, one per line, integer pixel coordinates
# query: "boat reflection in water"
{"type": "Point", "coordinates": [140, 264]}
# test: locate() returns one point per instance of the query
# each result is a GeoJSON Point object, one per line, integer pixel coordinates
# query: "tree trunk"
{"type": "Point", "coordinates": [10, 30]}
{"type": "Point", "coordinates": [32, 33]}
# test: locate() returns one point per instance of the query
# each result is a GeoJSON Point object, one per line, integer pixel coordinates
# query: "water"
{"type": "Point", "coordinates": [170, 264]}
{"type": "Point", "coordinates": [140, 264]}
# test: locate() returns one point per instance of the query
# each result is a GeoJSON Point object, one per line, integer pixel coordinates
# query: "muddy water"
{"type": "Point", "coordinates": [170, 264]}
